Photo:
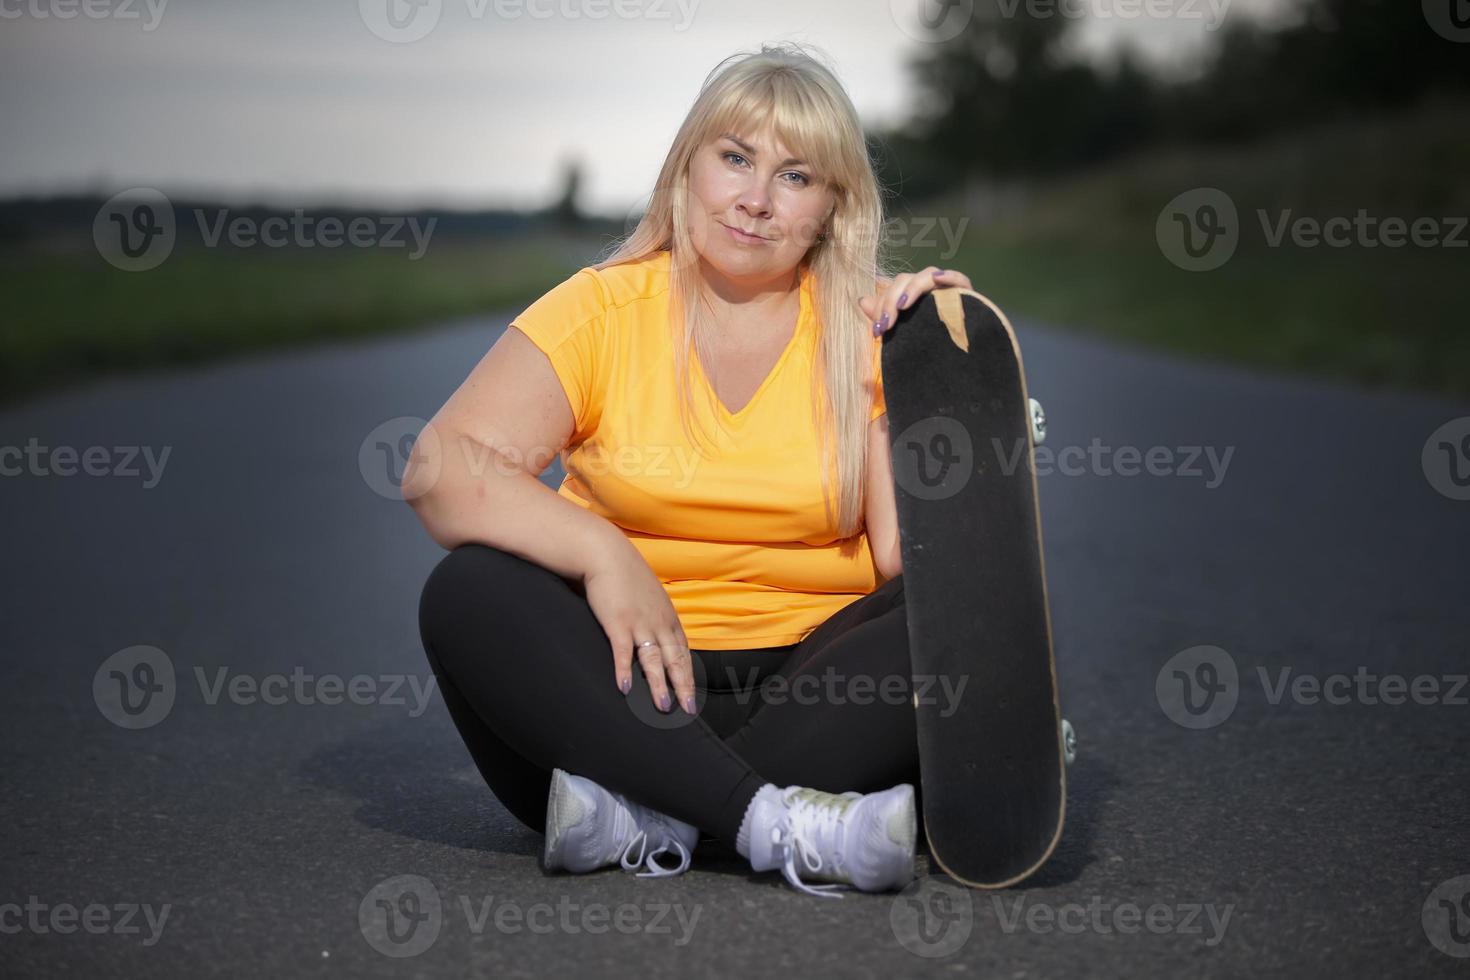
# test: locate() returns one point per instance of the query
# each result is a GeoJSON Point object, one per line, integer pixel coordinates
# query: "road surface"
{"type": "Point", "coordinates": [1296, 825]}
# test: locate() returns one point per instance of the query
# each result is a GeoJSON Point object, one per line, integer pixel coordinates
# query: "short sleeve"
{"type": "Point", "coordinates": [569, 325]}
{"type": "Point", "coordinates": [880, 404]}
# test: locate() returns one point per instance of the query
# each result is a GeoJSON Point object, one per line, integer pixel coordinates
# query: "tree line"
{"type": "Point", "coordinates": [1013, 103]}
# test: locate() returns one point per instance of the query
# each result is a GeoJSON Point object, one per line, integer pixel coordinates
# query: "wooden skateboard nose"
{"type": "Point", "coordinates": [952, 315]}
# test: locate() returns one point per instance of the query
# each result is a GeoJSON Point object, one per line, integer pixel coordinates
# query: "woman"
{"type": "Point", "coordinates": [736, 554]}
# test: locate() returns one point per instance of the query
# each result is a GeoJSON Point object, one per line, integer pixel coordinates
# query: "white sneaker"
{"type": "Point", "coordinates": [849, 838]}
{"type": "Point", "coordinates": [588, 827]}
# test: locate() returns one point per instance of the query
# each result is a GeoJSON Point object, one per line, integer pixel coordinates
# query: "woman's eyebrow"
{"type": "Point", "coordinates": [751, 150]}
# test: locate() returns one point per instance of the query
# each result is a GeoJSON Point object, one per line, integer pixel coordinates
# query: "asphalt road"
{"type": "Point", "coordinates": [202, 830]}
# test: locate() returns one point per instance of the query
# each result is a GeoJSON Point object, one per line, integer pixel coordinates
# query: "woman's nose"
{"type": "Point", "coordinates": [756, 202]}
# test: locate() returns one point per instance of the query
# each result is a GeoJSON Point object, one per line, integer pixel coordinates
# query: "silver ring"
{"type": "Point", "coordinates": [648, 643]}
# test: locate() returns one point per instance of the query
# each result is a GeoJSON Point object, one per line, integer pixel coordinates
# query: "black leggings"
{"type": "Point", "coordinates": [527, 674]}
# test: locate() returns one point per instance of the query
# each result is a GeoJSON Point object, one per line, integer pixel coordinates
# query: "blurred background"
{"type": "Point", "coordinates": [1281, 183]}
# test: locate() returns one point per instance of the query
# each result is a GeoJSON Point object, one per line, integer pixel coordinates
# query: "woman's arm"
{"type": "Point", "coordinates": [472, 476]}
{"type": "Point", "coordinates": [881, 512]}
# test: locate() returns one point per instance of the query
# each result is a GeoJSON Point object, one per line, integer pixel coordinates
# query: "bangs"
{"type": "Point", "coordinates": [778, 104]}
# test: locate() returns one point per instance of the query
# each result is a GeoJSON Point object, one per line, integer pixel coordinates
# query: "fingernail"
{"type": "Point", "coordinates": [689, 704]}
{"type": "Point", "coordinates": [664, 703]}
{"type": "Point", "coordinates": [626, 684]}
{"type": "Point", "coordinates": [941, 272]}
{"type": "Point", "coordinates": [883, 323]}
{"type": "Point", "coordinates": [903, 301]}
{"type": "Point", "coordinates": [877, 330]}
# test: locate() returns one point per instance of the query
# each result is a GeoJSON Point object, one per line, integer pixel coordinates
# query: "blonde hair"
{"type": "Point", "coordinates": [801, 100]}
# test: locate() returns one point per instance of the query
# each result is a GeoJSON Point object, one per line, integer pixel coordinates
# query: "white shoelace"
{"type": "Point", "coordinates": [641, 839]}
{"type": "Point", "coordinates": [655, 870]}
{"type": "Point", "coordinates": [826, 824]}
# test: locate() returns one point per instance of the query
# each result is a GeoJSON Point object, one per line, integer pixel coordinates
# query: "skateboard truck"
{"type": "Point", "coordinates": [1038, 436]}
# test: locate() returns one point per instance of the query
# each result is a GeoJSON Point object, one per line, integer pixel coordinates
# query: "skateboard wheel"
{"type": "Point", "coordinates": [1038, 423]}
{"type": "Point", "coordinates": [1069, 742]}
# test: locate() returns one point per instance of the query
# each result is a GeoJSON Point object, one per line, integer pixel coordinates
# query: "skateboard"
{"type": "Point", "coordinates": [993, 747]}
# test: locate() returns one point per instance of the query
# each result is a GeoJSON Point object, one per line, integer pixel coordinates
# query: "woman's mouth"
{"type": "Point", "coordinates": [743, 238]}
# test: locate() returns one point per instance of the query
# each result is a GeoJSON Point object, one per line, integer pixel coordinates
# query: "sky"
{"type": "Point", "coordinates": [457, 103]}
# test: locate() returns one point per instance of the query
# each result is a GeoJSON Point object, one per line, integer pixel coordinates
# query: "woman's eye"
{"type": "Point", "coordinates": [804, 179]}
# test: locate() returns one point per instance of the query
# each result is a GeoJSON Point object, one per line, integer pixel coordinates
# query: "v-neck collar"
{"type": "Point", "coordinates": [802, 318]}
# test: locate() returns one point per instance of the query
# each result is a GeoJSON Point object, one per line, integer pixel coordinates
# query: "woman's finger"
{"type": "Point", "coordinates": [903, 289]}
{"type": "Point", "coordinates": [873, 305]}
{"type": "Point", "coordinates": [883, 313]}
{"type": "Point", "coordinates": [950, 277]}
{"type": "Point", "coordinates": [651, 659]}
{"type": "Point", "coordinates": [622, 649]}
{"type": "Point", "coordinates": [680, 667]}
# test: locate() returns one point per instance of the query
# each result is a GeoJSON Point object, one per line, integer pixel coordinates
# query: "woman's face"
{"type": "Point", "coordinates": [749, 182]}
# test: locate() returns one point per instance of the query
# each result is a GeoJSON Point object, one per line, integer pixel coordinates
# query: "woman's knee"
{"type": "Point", "coordinates": [468, 579]}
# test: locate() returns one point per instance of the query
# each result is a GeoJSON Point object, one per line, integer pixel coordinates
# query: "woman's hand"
{"type": "Point", "coordinates": [631, 605]}
{"type": "Point", "coordinates": [905, 290]}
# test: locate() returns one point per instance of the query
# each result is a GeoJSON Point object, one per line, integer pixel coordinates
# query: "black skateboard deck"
{"type": "Point", "coordinates": [991, 757]}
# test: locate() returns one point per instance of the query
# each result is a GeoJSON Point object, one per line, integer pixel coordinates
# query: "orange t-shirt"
{"type": "Point", "coordinates": [739, 539]}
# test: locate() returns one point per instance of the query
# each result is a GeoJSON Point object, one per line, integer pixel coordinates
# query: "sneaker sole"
{"type": "Point", "coordinates": [903, 826]}
{"type": "Point", "coordinates": [902, 829]}
{"type": "Point", "coordinates": [564, 809]}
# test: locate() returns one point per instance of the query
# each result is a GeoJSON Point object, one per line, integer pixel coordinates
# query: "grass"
{"type": "Point", "coordinates": [1083, 254]}
{"type": "Point", "coordinates": [1374, 319]}
{"type": "Point", "coordinates": [73, 316]}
